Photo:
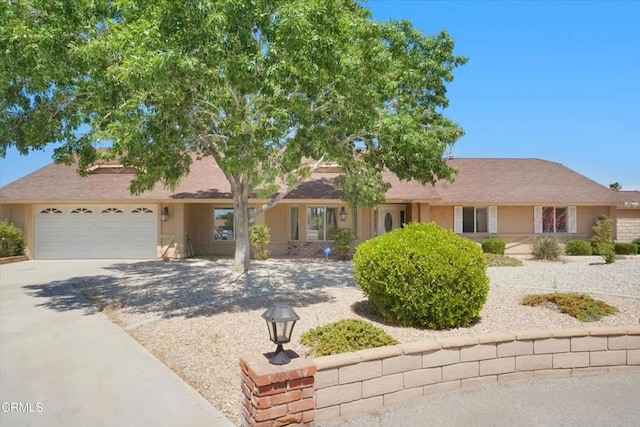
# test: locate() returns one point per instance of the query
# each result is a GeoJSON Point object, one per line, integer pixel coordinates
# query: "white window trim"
{"type": "Point", "coordinates": [325, 207]}
{"type": "Point", "coordinates": [572, 220]}
{"type": "Point", "coordinates": [492, 219]}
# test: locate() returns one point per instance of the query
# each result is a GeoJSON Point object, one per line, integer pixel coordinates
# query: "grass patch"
{"type": "Point", "coordinates": [494, 260]}
{"type": "Point", "coordinates": [344, 336]}
{"type": "Point", "coordinates": [580, 306]}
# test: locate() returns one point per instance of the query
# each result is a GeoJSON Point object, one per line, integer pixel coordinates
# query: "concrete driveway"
{"type": "Point", "coordinates": [64, 364]}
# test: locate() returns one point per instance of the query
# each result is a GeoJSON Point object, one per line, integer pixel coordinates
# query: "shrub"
{"type": "Point", "coordinates": [602, 239]}
{"type": "Point", "coordinates": [578, 247]}
{"type": "Point", "coordinates": [343, 336]}
{"type": "Point", "coordinates": [423, 275]}
{"type": "Point", "coordinates": [580, 306]}
{"type": "Point", "coordinates": [493, 246]}
{"type": "Point", "coordinates": [637, 242]}
{"type": "Point", "coordinates": [626, 249]}
{"type": "Point", "coordinates": [344, 238]}
{"type": "Point", "coordinates": [259, 236]}
{"type": "Point", "coordinates": [494, 260]}
{"type": "Point", "coordinates": [11, 239]}
{"type": "Point", "coordinates": [547, 248]}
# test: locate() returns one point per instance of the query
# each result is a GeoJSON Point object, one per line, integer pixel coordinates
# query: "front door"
{"type": "Point", "coordinates": [389, 217]}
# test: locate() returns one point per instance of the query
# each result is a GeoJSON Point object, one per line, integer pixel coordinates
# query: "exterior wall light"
{"type": "Point", "coordinates": [280, 321]}
{"type": "Point", "coordinates": [165, 214]}
{"type": "Point", "coordinates": [343, 214]}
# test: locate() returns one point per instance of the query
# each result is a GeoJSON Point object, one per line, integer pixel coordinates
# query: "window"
{"type": "Point", "coordinates": [111, 210]}
{"type": "Point", "coordinates": [294, 223]}
{"type": "Point", "coordinates": [223, 224]}
{"type": "Point", "coordinates": [551, 219]}
{"type": "Point", "coordinates": [142, 210]}
{"type": "Point", "coordinates": [554, 220]}
{"type": "Point", "coordinates": [322, 223]}
{"type": "Point", "coordinates": [471, 219]}
{"type": "Point", "coordinates": [474, 220]}
{"type": "Point", "coordinates": [81, 211]}
{"type": "Point", "coordinates": [50, 210]}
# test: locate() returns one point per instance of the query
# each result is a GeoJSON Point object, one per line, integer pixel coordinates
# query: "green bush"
{"type": "Point", "coordinates": [11, 239]}
{"type": "Point", "coordinates": [580, 306]}
{"type": "Point", "coordinates": [423, 275]}
{"type": "Point", "coordinates": [578, 247]}
{"type": "Point", "coordinates": [344, 336]}
{"type": "Point", "coordinates": [493, 246]}
{"type": "Point", "coordinates": [637, 242]}
{"type": "Point", "coordinates": [547, 248]}
{"type": "Point", "coordinates": [344, 238]}
{"type": "Point", "coordinates": [602, 239]}
{"type": "Point", "coordinates": [259, 236]}
{"type": "Point", "coordinates": [626, 248]}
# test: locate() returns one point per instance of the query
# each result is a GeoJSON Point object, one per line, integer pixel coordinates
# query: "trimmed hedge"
{"type": "Point", "coordinates": [578, 247]}
{"type": "Point", "coordinates": [493, 246]}
{"type": "Point", "coordinates": [344, 336]}
{"type": "Point", "coordinates": [423, 275]}
{"type": "Point", "coordinates": [626, 248]}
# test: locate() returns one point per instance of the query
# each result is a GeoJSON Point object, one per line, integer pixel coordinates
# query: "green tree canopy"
{"type": "Point", "coordinates": [259, 85]}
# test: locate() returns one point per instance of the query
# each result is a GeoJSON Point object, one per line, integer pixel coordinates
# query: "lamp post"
{"type": "Point", "coordinates": [280, 321]}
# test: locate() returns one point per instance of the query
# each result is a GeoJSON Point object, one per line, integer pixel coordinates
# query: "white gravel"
{"type": "Point", "coordinates": [198, 320]}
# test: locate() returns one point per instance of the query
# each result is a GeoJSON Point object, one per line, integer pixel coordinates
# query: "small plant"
{"type": "Point", "coordinates": [580, 306]}
{"type": "Point", "coordinates": [578, 247]}
{"type": "Point", "coordinates": [11, 239]}
{"type": "Point", "coordinates": [626, 248]}
{"type": "Point", "coordinates": [546, 248]}
{"type": "Point", "coordinates": [344, 238]}
{"type": "Point", "coordinates": [344, 336]}
{"type": "Point", "coordinates": [423, 275]}
{"type": "Point", "coordinates": [259, 236]}
{"type": "Point", "coordinates": [494, 260]}
{"type": "Point", "coordinates": [602, 240]}
{"type": "Point", "coordinates": [493, 246]}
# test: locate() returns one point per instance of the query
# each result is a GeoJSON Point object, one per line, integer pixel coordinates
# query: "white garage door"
{"type": "Point", "coordinates": [96, 231]}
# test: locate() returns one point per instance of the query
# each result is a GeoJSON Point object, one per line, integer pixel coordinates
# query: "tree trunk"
{"type": "Point", "coordinates": [241, 213]}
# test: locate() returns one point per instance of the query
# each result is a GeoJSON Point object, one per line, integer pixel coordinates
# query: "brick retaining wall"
{"type": "Point", "coordinates": [368, 380]}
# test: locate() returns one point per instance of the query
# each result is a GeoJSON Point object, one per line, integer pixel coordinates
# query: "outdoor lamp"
{"type": "Point", "coordinates": [280, 321]}
{"type": "Point", "coordinates": [343, 214]}
{"type": "Point", "coordinates": [165, 214]}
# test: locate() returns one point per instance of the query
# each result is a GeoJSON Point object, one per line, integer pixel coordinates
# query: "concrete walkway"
{"type": "Point", "coordinates": [63, 364]}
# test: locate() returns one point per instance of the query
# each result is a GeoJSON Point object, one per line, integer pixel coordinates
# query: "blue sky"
{"type": "Point", "coordinates": [558, 80]}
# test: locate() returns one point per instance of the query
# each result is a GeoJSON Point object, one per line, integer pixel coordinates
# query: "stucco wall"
{"type": "Point", "coordinates": [277, 219]}
{"type": "Point", "coordinates": [443, 216]}
{"type": "Point", "coordinates": [172, 232]}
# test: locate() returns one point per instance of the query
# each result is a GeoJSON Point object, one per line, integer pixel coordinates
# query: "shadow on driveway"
{"type": "Point", "coordinates": [196, 287]}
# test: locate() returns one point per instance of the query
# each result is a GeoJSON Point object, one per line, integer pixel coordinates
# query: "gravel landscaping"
{"type": "Point", "coordinates": [198, 319]}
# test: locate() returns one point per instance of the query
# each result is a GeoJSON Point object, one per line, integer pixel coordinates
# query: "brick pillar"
{"type": "Point", "coordinates": [275, 396]}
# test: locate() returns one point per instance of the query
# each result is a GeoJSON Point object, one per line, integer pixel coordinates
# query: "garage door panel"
{"type": "Point", "coordinates": [95, 231]}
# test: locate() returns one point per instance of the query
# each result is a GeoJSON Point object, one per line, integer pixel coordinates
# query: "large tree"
{"type": "Point", "coordinates": [268, 88]}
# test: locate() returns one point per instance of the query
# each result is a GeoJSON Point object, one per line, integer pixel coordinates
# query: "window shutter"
{"type": "Point", "coordinates": [493, 219]}
{"type": "Point", "coordinates": [573, 219]}
{"type": "Point", "coordinates": [457, 219]}
{"type": "Point", "coordinates": [537, 219]}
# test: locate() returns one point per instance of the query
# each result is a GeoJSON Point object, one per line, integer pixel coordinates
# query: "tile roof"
{"type": "Point", "coordinates": [479, 181]}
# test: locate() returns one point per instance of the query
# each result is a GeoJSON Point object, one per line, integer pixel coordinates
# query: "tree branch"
{"type": "Point", "coordinates": [288, 189]}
